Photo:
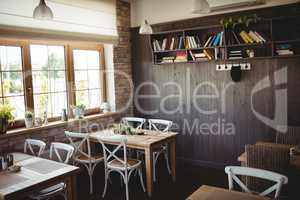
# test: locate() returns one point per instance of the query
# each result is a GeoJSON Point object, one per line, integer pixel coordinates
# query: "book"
{"type": "Point", "coordinates": [208, 54]}
{"type": "Point", "coordinates": [217, 40]}
{"type": "Point", "coordinates": [172, 43]}
{"type": "Point", "coordinates": [198, 42]}
{"type": "Point", "coordinates": [192, 56]}
{"type": "Point", "coordinates": [236, 38]}
{"type": "Point", "coordinates": [258, 35]}
{"type": "Point", "coordinates": [207, 41]}
{"type": "Point", "coordinates": [244, 38]}
{"type": "Point", "coordinates": [255, 37]}
{"type": "Point", "coordinates": [164, 43]}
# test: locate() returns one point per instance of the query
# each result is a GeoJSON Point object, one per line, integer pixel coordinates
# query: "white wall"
{"type": "Point", "coordinates": [97, 17]}
{"type": "Point", "coordinates": [110, 78]}
{"type": "Point", "coordinates": [159, 11]}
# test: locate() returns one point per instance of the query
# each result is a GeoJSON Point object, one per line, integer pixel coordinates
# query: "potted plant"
{"type": "Point", "coordinates": [6, 117]}
{"type": "Point", "coordinates": [78, 111]}
{"type": "Point", "coordinates": [29, 119]}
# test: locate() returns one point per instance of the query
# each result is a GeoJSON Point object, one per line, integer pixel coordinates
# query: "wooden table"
{"type": "Point", "coordinates": [148, 142]}
{"type": "Point", "coordinates": [36, 174]}
{"type": "Point", "coordinates": [213, 193]}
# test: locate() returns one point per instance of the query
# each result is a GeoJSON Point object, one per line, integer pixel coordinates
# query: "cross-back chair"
{"type": "Point", "coordinates": [32, 145]}
{"type": "Point", "coordinates": [233, 172]}
{"type": "Point", "coordinates": [120, 164]}
{"type": "Point", "coordinates": [83, 154]}
{"type": "Point", "coordinates": [60, 189]}
{"type": "Point", "coordinates": [135, 122]}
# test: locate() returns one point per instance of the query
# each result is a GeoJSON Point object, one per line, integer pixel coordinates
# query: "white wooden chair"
{"type": "Point", "coordinates": [234, 171]}
{"type": "Point", "coordinates": [137, 121]}
{"type": "Point", "coordinates": [161, 126]}
{"type": "Point", "coordinates": [122, 165]}
{"type": "Point", "coordinates": [82, 153]}
{"type": "Point", "coordinates": [58, 189]}
{"type": "Point", "coordinates": [31, 144]}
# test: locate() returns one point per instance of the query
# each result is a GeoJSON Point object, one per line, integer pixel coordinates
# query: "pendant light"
{"type": "Point", "coordinates": [201, 7]}
{"type": "Point", "coordinates": [42, 11]}
{"type": "Point", "coordinates": [146, 29]}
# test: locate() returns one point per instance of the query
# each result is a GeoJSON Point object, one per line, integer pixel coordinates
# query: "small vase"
{"type": "Point", "coordinates": [3, 125]}
{"type": "Point", "coordinates": [78, 112]}
{"type": "Point", "coordinates": [29, 122]}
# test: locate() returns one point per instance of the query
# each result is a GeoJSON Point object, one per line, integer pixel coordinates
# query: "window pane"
{"type": "Point", "coordinates": [94, 79]}
{"type": "Point", "coordinates": [49, 80]}
{"type": "Point", "coordinates": [80, 59]}
{"type": "Point", "coordinates": [57, 81]}
{"type": "Point", "coordinates": [39, 57]}
{"type": "Point", "coordinates": [81, 80]}
{"type": "Point", "coordinates": [94, 98]}
{"type": "Point", "coordinates": [17, 103]}
{"type": "Point", "coordinates": [12, 83]}
{"type": "Point", "coordinates": [40, 82]}
{"type": "Point", "coordinates": [56, 58]}
{"type": "Point", "coordinates": [82, 97]}
{"type": "Point", "coordinates": [93, 60]}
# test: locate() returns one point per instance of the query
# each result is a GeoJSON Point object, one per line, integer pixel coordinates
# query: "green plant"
{"type": "Point", "coordinates": [29, 115]}
{"type": "Point", "coordinates": [6, 112]}
{"type": "Point", "coordinates": [234, 21]}
{"type": "Point", "coordinates": [123, 129]}
{"type": "Point", "coordinates": [79, 106]}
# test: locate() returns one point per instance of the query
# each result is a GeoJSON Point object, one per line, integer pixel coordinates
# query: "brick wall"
{"type": "Point", "coordinates": [122, 65]}
{"type": "Point", "coordinates": [122, 58]}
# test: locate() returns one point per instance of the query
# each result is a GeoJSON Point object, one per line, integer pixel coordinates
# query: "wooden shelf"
{"type": "Point", "coordinates": [268, 28]}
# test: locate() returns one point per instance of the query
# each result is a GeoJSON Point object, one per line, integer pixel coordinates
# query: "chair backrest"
{"type": "Point", "coordinates": [234, 171]}
{"type": "Point", "coordinates": [81, 144]}
{"type": "Point", "coordinates": [292, 136]}
{"type": "Point", "coordinates": [120, 146]}
{"type": "Point", "coordinates": [137, 122]}
{"type": "Point", "coordinates": [32, 144]}
{"type": "Point", "coordinates": [160, 125]}
{"type": "Point", "coordinates": [56, 148]}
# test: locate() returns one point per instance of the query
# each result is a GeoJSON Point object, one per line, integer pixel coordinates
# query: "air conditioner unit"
{"type": "Point", "coordinates": [205, 6]}
{"type": "Point", "coordinates": [217, 5]}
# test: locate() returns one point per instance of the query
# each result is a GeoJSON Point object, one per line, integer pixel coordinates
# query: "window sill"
{"type": "Point", "coordinates": [20, 131]}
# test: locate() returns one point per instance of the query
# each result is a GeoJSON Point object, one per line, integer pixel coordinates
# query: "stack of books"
{"type": "Point", "coordinates": [173, 43]}
{"type": "Point", "coordinates": [251, 37]}
{"type": "Point", "coordinates": [216, 39]}
{"type": "Point", "coordinates": [168, 59]}
{"type": "Point", "coordinates": [236, 54]}
{"type": "Point", "coordinates": [181, 57]}
{"type": "Point", "coordinates": [192, 42]}
{"type": "Point", "coordinates": [284, 49]}
{"type": "Point", "coordinates": [198, 56]}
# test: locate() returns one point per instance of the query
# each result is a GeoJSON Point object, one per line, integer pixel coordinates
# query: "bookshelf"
{"type": "Point", "coordinates": [193, 45]}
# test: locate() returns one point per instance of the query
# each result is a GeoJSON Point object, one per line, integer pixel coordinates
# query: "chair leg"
{"type": "Point", "coordinates": [126, 185]}
{"type": "Point", "coordinates": [141, 179]}
{"type": "Point", "coordinates": [105, 185]}
{"type": "Point", "coordinates": [167, 162]}
{"type": "Point", "coordinates": [154, 170]}
{"type": "Point", "coordinates": [91, 183]}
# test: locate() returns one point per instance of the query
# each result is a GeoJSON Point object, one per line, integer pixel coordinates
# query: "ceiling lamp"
{"type": "Point", "coordinates": [201, 7]}
{"type": "Point", "coordinates": [42, 11]}
{"type": "Point", "coordinates": [146, 29]}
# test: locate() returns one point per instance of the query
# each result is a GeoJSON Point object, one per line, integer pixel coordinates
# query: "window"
{"type": "Point", "coordinates": [49, 76]}
{"type": "Point", "coordinates": [87, 77]}
{"type": "Point", "coordinates": [11, 72]}
{"type": "Point", "coordinates": [49, 79]}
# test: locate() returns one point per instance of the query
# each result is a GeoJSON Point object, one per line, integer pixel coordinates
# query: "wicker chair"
{"type": "Point", "coordinates": [269, 157]}
{"type": "Point", "coordinates": [292, 136]}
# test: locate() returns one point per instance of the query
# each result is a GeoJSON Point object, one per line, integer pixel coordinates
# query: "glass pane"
{"type": "Point", "coordinates": [81, 80]}
{"type": "Point", "coordinates": [94, 79]}
{"type": "Point", "coordinates": [57, 81]}
{"type": "Point", "coordinates": [56, 57]}
{"type": "Point", "coordinates": [94, 98]}
{"type": "Point", "coordinates": [40, 104]}
{"type": "Point", "coordinates": [39, 57]}
{"type": "Point", "coordinates": [93, 60]}
{"type": "Point", "coordinates": [82, 97]}
{"type": "Point", "coordinates": [17, 103]}
{"type": "Point", "coordinates": [12, 83]}
{"type": "Point", "coordinates": [58, 102]}
{"type": "Point", "coordinates": [13, 59]}
{"type": "Point", "coordinates": [3, 57]}
{"type": "Point", "coordinates": [80, 59]}
{"type": "Point", "coordinates": [40, 81]}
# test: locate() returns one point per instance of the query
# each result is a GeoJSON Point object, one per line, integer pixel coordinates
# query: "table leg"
{"type": "Point", "coordinates": [71, 188]}
{"type": "Point", "coordinates": [149, 170]}
{"type": "Point", "coordinates": [173, 158]}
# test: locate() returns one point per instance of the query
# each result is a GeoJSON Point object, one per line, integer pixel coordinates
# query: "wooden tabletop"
{"type": "Point", "coordinates": [134, 141]}
{"type": "Point", "coordinates": [34, 172]}
{"type": "Point", "coordinates": [214, 193]}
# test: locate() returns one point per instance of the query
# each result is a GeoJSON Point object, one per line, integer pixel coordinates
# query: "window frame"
{"type": "Point", "coordinates": [69, 46]}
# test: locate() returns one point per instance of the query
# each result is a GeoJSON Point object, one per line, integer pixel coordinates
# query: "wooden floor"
{"type": "Point", "coordinates": [189, 178]}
